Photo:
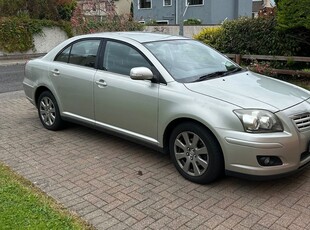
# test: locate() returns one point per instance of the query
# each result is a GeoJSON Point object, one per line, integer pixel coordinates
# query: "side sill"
{"type": "Point", "coordinates": [153, 146]}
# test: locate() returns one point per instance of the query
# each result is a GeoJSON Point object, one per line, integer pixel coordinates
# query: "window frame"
{"type": "Point", "coordinates": [103, 50]}
{"type": "Point", "coordinates": [77, 41]}
{"type": "Point", "coordinates": [158, 77]}
{"type": "Point", "coordinates": [167, 21]}
{"type": "Point", "coordinates": [196, 5]}
{"type": "Point", "coordinates": [145, 8]}
{"type": "Point", "coordinates": [167, 5]}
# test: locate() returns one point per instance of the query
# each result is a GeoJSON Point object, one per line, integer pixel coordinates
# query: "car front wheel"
{"type": "Point", "coordinates": [195, 153]}
{"type": "Point", "coordinates": [49, 112]}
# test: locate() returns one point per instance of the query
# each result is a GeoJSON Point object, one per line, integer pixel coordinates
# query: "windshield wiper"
{"type": "Point", "coordinates": [234, 70]}
{"type": "Point", "coordinates": [211, 75]}
{"type": "Point", "coordinates": [218, 74]}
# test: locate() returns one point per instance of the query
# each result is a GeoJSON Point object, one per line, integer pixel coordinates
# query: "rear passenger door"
{"type": "Point", "coordinates": [124, 105]}
{"type": "Point", "coordinates": [72, 74]}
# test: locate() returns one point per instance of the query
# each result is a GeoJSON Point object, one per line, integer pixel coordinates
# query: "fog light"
{"type": "Point", "coordinates": [269, 160]}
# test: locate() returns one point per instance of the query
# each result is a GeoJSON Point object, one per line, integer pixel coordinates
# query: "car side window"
{"type": "Point", "coordinates": [82, 53]}
{"type": "Point", "coordinates": [64, 55]}
{"type": "Point", "coordinates": [121, 58]}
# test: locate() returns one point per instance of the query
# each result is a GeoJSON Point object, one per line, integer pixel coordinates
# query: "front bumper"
{"type": "Point", "coordinates": [241, 149]}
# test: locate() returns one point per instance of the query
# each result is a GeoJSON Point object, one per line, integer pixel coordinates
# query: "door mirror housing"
{"type": "Point", "coordinates": [141, 73]}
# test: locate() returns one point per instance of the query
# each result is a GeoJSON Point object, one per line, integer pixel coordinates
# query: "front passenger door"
{"type": "Point", "coordinates": [124, 105]}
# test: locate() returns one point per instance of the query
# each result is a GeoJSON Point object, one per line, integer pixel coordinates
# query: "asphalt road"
{"type": "Point", "coordinates": [11, 78]}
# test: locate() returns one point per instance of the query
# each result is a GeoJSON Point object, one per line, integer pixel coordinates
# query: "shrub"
{"type": "Point", "coordinates": [38, 9]}
{"type": "Point", "coordinates": [293, 14]}
{"type": "Point", "coordinates": [252, 36]}
{"type": "Point", "coordinates": [293, 18]}
{"type": "Point", "coordinates": [16, 34]}
{"type": "Point", "coordinates": [192, 21]}
{"type": "Point", "coordinates": [210, 35]}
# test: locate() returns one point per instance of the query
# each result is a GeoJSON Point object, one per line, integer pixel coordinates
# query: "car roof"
{"type": "Point", "coordinates": [140, 37]}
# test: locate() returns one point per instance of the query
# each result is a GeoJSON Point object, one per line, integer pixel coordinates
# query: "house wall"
{"type": "Point", "coordinates": [188, 31]}
{"type": "Point", "coordinates": [212, 12]}
{"type": "Point", "coordinates": [157, 12]}
{"type": "Point", "coordinates": [102, 7]}
{"type": "Point", "coordinates": [122, 6]}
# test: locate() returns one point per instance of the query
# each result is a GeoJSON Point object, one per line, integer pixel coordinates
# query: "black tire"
{"type": "Point", "coordinates": [49, 112]}
{"type": "Point", "coordinates": [199, 158]}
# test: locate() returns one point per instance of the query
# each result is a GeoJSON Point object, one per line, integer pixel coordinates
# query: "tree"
{"type": "Point", "coordinates": [38, 9]}
{"type": "Point", "coordinates": [293, 18]}
{"type": "Point", "coordinates": [293, 14]}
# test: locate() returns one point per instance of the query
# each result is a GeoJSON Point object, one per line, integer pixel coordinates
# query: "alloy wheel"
{"type": "Point", "coordinates": [191, 153]}
{"type": "Point", "coordinates": [47, 111]}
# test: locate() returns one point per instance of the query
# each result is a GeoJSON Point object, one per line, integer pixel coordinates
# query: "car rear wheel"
{"type": "Point", "coordinates": [49, 112]}
{"type": "Point", "coordinates": [195, 153]}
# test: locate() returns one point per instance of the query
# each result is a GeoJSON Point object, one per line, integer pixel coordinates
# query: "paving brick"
{"type": "Point", "coordinates": [169, 213]}
{"type": "Point", "coordinates": [161, 223]}
{"type": "Point", "coordinates": [268, 220]}
{"type": "Point", "coordinates": [135, 213]}
{"type": "Point", "coordinates": [296, 227]}
{"type": "Point", "coordinates": [232, 221]}
{"type": "Point", "coordinates": [118, 226]}
{"type": "Point", "coordinates": [143, 224]}
{"type": "Point", "coordinates": [214, 221]}
{"type": "Point", "coordinates": [178, 222]}
{"type": "Point", "coordinates": [195, 222]}
{"type": "Point", "coordinates": [250, 220]}
{"type": "Point", "coordinates": [130, 221]}
{"type": "Point", "coordinates": [96, 175]}
{"type": "Point", "coordinates": [275, 226]}
{"type": "Point", "coordinates": [155, 214]}
{"type": "Point", "coordinates": [107, 223]}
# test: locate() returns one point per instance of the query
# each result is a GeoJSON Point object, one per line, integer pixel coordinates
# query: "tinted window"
{"type": "Point", "coordinates": [80, 53]}
{"type": "Point", "coordinates": [121, 58]}
{"type": "Point", "coordinates": [64, 55]}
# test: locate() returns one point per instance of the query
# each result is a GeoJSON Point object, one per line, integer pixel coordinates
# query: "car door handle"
{"type": "Point", "coordinates": [56, 72]}
{"type": "Point", "coordinates": [101, 83]}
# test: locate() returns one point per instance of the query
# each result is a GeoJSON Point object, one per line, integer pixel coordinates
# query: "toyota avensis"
{"type": "Point", "coordinates": [177, 95]}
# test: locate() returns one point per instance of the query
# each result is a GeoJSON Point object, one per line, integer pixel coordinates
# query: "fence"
{"type": "Point", "coordinates": [238, 57]}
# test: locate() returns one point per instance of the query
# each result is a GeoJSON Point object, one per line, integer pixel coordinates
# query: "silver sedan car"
{"type": "Point", "coordinates": [177, 95]}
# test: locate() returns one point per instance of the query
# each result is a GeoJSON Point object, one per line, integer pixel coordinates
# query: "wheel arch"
{"type": "Point", "coordinates": [38, 92]}
{"type": "Point", "coordinates": [179, 121]}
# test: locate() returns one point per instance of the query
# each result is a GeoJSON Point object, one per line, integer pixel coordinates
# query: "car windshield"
{"type": "Point", "coordinates": [190, 60]}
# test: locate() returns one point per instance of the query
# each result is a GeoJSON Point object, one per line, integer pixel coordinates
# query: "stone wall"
{"type": "Point", "coordinates": [189, 31]}
{"type": "Point", "coordinates": [53, 36]}
{"type": "Point", "coordinates": [50, 38]}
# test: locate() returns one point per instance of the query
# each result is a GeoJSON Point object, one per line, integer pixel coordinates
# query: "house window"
{"type": "Point", "coordinates": [194, 2]}
{"type": "Point", "coordinates": [162, 22]}
{"type": "Point", "coordinates": [167, 2]}
{"type": "Point", "coordinates": [145, 4]}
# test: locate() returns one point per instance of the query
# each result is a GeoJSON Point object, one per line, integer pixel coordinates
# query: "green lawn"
{"type": "Point", "coordinates": [22, 206]}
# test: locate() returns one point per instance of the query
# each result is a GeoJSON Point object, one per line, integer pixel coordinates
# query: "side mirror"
{"type": "Point", "coordinates": [141, 73]}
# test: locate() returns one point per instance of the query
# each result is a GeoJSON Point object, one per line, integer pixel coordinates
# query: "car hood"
{"type": "Point", "coordinates": [251, 90]}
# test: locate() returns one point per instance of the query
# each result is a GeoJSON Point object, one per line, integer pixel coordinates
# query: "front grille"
{"type": "Point", "coordinates": [302, 121]}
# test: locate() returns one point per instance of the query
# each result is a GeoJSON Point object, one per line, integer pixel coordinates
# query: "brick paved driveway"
{"type": "Point", "coordinates": [96, 175]}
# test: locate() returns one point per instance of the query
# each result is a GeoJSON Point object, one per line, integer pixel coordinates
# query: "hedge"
{"type": "Point", "coordinates": [251, 36]}
{"type": "Point", "coordinates": [16, 34]}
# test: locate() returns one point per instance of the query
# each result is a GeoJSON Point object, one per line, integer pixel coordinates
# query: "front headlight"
{"type": "Point", "coordinates": [259, 121]}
